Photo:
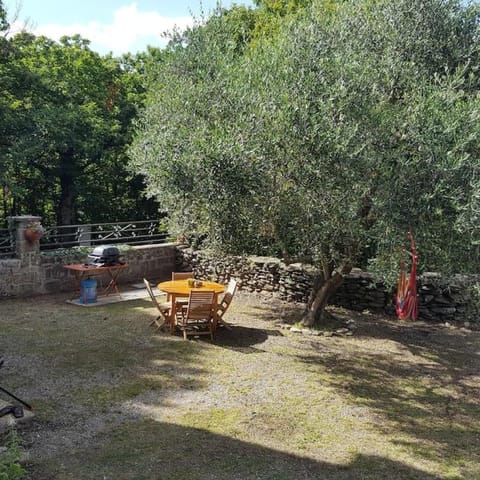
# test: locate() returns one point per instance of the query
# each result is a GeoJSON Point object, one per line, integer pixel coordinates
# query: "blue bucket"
{"type": "Point", "coordinates": [88, 291]}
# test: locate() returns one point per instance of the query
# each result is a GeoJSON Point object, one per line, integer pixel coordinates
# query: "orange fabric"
{"type": "Point", "coordinates": [406, 301]}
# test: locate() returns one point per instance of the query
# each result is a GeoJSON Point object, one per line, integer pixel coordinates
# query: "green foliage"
{"type": "Point", "coordinates": [66, 110]}
{"type": "Point", "coordinates": [65, 121]}
{"type": "Point", "coordinates": [3, 18]}
{"type": "Point", "coordinates": [271, 14]}
{"type": "Point", "coordinates": [179, 119]}
{"type": "Point", "coordinates": [354, 121]}
{"type": "Point", "coordinates": [10, 468]}
{"type": "Point", "coordinates": [79, 253]}
{"type": "Point", "coordinates": [473, 303]}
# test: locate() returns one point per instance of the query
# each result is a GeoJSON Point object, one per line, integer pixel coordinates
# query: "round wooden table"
{"type": "Point", "coordinates": [181, 288]}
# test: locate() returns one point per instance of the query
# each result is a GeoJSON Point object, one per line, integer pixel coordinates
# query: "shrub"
{"type": "Point", "coordinates": [10, 468]}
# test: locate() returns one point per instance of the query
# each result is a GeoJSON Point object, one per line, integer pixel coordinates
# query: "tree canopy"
{"type": "Point", "coordinates": [327, 138]}
{"type": "Point", "coordinates": [65, 123]}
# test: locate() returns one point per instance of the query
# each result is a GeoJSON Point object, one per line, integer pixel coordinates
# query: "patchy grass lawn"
{"type": "Point", "coordinates": [116, 400]}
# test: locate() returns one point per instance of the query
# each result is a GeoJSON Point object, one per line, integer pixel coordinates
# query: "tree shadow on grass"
{"type": "Point", "coordinates": [422, 379]}
{"type": "Point", "coordinates": [279, 312]}
{"type": "Point", "coordinates": [148, 450]}
{"type": "Point", "coordinates": [75, 366]}
{"type": "Point", "coordinates": [242, 339]}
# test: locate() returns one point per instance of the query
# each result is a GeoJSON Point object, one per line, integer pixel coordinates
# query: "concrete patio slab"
{"type": "Point", "coordinates": [124, 296]}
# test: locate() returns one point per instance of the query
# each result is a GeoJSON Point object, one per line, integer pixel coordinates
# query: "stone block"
{"type": "Point", "coordinates": [53, 286]}
{"type": "Point", "coordinates": [9, 421]}
{"type": "Point", "coordinates": [440, 310]}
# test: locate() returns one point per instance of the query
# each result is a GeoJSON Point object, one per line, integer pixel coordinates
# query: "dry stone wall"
{"type": "Point", "coordinates": [453, 299]}
{"type": "Point", "coordinates": [441, 299]}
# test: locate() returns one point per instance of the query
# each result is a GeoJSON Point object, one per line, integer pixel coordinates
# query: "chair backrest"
{"type": "Point", "coordinates": [182, 275]}
{"type": "Point", "coordinates": [227, 297]}
{"type": "Point", "coordinates": [150, 292]}
{"type": "Point", "coordinates": [200, 305]}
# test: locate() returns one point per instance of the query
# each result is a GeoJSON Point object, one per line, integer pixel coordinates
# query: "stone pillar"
{"type": "Point", "coordinates": [85, 235]}
{"type": "Point", "coordinates": [18, 225]}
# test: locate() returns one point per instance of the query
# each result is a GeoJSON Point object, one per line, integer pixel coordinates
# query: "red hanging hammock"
{"type": "Point", "coordinates": [406, 302]}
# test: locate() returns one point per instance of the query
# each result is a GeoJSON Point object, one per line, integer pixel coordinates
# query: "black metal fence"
{"type": "Point", "coordinates": [141, 232]}
{"type": "Point", "coordinates": [7, 243]}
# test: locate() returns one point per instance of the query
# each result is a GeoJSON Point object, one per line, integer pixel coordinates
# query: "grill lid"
{"type": "Point", "coordinates": [105, 251]}
{"type": "Point", "coordinates": [105, 255]}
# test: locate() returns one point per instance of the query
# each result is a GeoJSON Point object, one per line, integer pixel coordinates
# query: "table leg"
{"type": "Point", "coordinates": [173, 313]}
{"type": "Point", "coordinates": [214, 316]}
{"type": "Point", "coordinates": [78, 280]}
{"type": "Point", "coordinates": [113, 281]}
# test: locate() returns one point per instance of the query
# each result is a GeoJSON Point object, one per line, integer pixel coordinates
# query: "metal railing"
{"type": "Point", "coordinates": [133, 233]}
{"type": "Point", "coordinates": [7, 243]}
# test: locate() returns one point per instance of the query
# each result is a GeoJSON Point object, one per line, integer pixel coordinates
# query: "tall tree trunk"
{"type": "Point", "coordinates": [4, 201]}
{"type": "Point", "coordinates": [66, 209]}
{"type": "Point", "coordinates": [324, 290]}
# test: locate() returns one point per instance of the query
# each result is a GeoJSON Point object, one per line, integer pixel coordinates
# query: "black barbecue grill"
{"type": "Point", "coordinates": [105, 255]}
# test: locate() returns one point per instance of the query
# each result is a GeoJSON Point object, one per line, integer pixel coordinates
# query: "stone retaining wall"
{"type": "Point", "coordinates": [440, 299]}
{"type": "Point", "coordinates": [40, 273]}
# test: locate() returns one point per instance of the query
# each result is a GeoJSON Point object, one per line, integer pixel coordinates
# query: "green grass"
{"type": "Point", "coordinates": [114, 399]}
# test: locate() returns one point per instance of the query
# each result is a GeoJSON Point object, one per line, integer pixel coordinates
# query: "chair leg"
{"type": "Point", "coordinates": [162, 326]}
{"type": "Point", "coordinates": [223, 323]}
{"type": "Point", "coordinates": [158, 324]}
{"type": "Point", "coordinates": [155, 322]}
{"type": "Point", "coordinates": [184, 333]}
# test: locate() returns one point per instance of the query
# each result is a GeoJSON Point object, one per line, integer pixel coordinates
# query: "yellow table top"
{"type": "Point", "coordinates": [181, 287]}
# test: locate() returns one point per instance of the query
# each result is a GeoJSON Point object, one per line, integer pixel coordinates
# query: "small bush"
{"type": "Point", "coordinates": [10, 468]}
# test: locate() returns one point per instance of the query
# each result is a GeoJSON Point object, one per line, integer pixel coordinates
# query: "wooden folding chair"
{"type": "Point", "coordinates": [162, 307]}
{"type": "Point", "coordinates": [179, 300]}
{"type": "Point", "coordinates": [182, 275]}
{"type": "Point", "coordinates": [197, 318]}
{"type": "Point", "coordinates": [224, 303]}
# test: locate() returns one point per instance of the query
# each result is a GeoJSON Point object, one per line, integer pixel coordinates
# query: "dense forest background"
{"type": "Point", "coordinates": [66, 117]}
{"type": "Point", "coordinates": [319, 130]}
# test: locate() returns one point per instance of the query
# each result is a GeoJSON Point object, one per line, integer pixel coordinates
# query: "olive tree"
{"type": "Point", "coordinates": [326, 140]}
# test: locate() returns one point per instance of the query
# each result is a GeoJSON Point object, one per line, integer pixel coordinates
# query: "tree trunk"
{"type": "Point", "coordinates": [4, 201]}
{"type": "Point", "coordinates": [318, 281]}
{"type": "Point", "coordinates": [66, 209]}
{"type": "Point", "coordinates": [319, 299]}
